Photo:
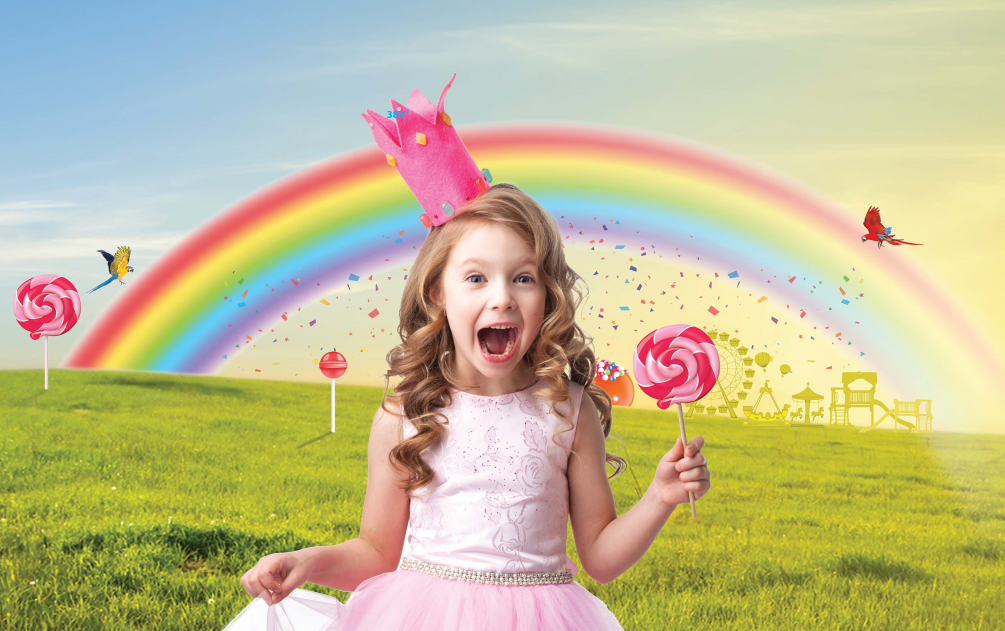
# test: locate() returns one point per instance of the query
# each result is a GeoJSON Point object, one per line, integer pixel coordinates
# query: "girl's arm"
{"type": "Point", "coordinates": [383, 524]}
{"type": "Point", "coordinates": [608, 545]}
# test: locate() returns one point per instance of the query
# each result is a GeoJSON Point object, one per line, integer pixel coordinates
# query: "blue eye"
{"type": "Point", "coordinates": [521, 276]}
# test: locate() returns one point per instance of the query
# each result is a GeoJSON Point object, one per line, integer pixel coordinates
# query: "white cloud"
{"type": "Point", "coordinates": [591, 42]}
{"type": "Point", "coordinates": [31, 211]}
{"type": "Point", "coordinates": [144, 247]}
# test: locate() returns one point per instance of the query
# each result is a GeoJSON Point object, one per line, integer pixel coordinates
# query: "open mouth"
{"type": "Point", "coordinates": [497, 343]}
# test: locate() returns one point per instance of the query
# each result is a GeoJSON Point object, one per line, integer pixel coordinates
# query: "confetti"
{"type": "Point", "coordinates": [374, 313]}
{"type": "Point", "coordinates": [353, 277]}
{"type": "Point", "coordinates": [619, 247]}
{"type": "Point", "coordinates": [312, 322]}
{"type": "Point", "coordinates": [295, 283]}
{"type": "Point", "coordinates": [713, 311]}
{"type": "Point", "coordinates": [325, 302]}
{"type": "Point", "coordinates": [240, 304]}
{"type": "Point", "coordinates": [775, 320]}
{"type": "Point", "coordinates": [845, 302]}
{"type": "Point", "coordinates": [240, 282]}
{"type": "Point", "coordinates": [632, 267]}
{"type": "Point", "coordinates": [762, 299]}
{"type": "Point", "coordinates": [733, 275]}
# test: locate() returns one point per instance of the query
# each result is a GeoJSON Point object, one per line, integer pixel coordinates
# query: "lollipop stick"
{"type": "Point", "coordinates": [46, 362]}
{"type": "Point", "coordinates": [333, 406]}
{"type": "Point", "coordinates": [683, 437]}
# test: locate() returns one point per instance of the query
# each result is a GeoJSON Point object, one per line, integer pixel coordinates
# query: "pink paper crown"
{"type": "Point", "coordinates": [423, 145]}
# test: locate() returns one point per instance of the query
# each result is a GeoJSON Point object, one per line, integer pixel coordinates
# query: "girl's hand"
{"type": "Point", "coordinates": [281, 572]}
{"type": "Point", "coordinates": [678, 473]}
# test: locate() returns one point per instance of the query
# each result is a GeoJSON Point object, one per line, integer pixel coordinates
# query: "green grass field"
{"type": "Point", "coordinates": [137, 501]}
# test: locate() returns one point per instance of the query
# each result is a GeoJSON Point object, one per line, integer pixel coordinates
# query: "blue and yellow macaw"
{"type": "Point", "coordinates": [118, 265]}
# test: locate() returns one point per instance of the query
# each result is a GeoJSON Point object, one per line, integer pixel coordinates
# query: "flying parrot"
{"type": "Point", "coordinates": [118, 265]}
{"type": "Point", "coordinates": [879, 233]}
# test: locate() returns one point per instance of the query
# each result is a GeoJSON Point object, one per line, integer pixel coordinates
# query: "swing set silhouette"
{"type": "Point", "coordinates": [844, 398]}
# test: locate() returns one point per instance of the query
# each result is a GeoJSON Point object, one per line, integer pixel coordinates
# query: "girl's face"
{"type": "Point", "coordinates": [491, 279]}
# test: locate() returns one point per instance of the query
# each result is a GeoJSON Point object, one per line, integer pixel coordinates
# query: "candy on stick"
{"type": "Point", "coordinates": [614, 380]}
{"type": "Point", "coordinates": [333, 365]}
{"type": "Point", "coordinates": [676, 364]}
{"type": "Point", "coordinates": [45, 306]}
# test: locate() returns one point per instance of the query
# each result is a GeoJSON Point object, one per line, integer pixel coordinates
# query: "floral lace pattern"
{"type": "Point", "coordinates": [499, 499]}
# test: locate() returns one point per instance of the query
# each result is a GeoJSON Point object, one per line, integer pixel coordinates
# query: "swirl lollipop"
{"type": "Point", "coordinates": [676, 364]}
{"type": "Point", "coordinates": [45, 306]}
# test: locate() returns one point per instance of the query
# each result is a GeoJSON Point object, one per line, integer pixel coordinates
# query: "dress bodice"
{"type": "Point", "coordinates": [499, 498]}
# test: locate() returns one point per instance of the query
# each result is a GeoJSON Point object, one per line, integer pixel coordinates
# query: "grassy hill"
{"type": "Point", "coordinates": [137, 501]}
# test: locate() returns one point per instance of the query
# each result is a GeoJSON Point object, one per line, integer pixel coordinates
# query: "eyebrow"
{"type": "Point", "coordinates": [522, 261]}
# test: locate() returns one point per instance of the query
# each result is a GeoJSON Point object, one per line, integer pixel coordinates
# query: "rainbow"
{"type": "Point", "coordinates": [345, 214]}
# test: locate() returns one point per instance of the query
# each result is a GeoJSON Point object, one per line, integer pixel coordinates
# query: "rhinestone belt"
{"type": "Point", "coordinates": [489, 578]}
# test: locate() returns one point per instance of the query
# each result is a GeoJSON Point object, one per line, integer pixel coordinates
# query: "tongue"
{"type": "Point", "coordinates": [495, 340]}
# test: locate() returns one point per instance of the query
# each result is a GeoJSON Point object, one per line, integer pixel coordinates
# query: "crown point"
{"type": "Point", "coordinates": [447, 208]}
{"type": "Point", "coordinates": [390, 159]}
{"type": "Point", "coordinates": [488, 176]}
{"type": "Point", "coordinates": [445, 118]}
{"type": "Point", "coordinates": [420, 138]}
{"type": "Point", "coordinates": [425, 220]}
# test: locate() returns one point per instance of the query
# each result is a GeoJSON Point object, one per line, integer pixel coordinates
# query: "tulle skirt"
{"type": "Point", "coordinates": [405, 600]}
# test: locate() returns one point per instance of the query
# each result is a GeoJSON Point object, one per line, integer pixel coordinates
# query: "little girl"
{"type": "Point", "coordinates": [469, 460]}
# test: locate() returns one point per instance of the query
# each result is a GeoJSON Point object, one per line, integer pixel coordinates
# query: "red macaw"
{"type": "Point", "coordinates": [877, 232]}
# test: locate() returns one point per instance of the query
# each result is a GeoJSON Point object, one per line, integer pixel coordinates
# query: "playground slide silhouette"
{"type": "Point", "coordinates": [889, 412]}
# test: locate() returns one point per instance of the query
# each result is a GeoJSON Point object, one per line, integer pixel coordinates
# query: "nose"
{"type": "Point", "coordinates": [502, 298]}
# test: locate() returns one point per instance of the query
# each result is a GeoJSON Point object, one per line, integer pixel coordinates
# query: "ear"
{"type": "Point", "coordinates": [434, 296]}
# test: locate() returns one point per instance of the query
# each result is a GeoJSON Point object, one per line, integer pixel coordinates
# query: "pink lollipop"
{"type": "Point", "coordinates": [45, 306]}
{"type": "Point", "coordinates": [676, 364]}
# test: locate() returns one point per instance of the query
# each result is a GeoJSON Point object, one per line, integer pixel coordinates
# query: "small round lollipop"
{"type": "Point", "coordinates": [614, 380]}
{"type": "Point", "coordinates": [45, 306]}
{"type": "Point", "coordinates": [333, 366]}
{"type": "Point", "coordinates": [676, 364]}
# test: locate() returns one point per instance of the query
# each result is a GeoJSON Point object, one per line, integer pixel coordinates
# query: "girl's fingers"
{"type": "Point", "coordinates": [691, 475]}
{"type": "Point", "coordinates": [694, 446]}
{"type": "Point", "coordinates": [689, 463]}
{"type": "Point", "coordinates": [264, 583]}
{"type": "Point", "coordinates": [675, 453]}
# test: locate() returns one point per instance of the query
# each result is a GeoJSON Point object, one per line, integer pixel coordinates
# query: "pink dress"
{"type": "Point", "coordinates": [498, 504]}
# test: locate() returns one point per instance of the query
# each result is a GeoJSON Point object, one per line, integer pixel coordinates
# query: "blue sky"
{"type": "Point", "coordinates": [132, 124]}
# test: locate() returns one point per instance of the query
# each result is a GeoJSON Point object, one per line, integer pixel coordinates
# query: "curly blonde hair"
{"type": "Point", "coordinates": [426, 341]}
